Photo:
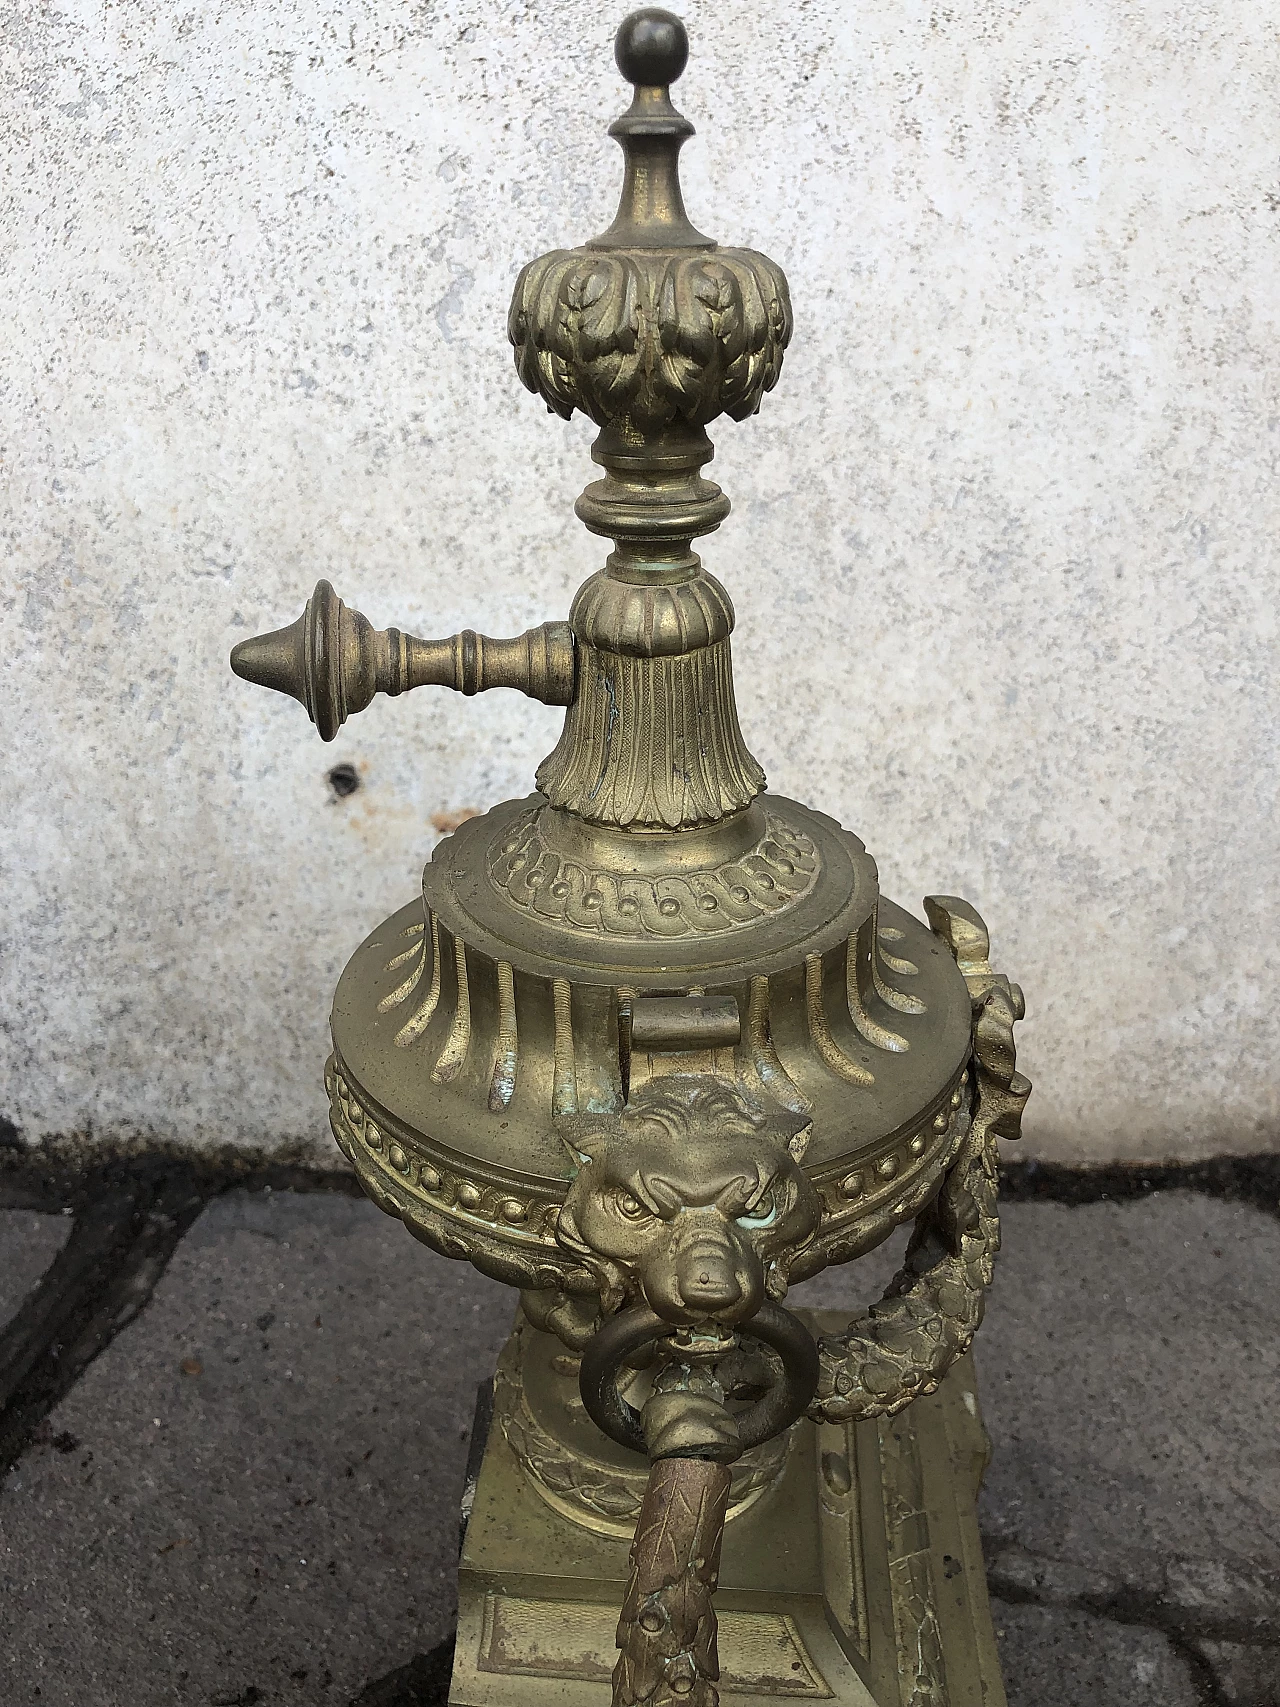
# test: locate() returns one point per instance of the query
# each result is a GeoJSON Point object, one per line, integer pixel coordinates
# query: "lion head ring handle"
{"type": "Point", "coordinates": [333, 661]}
{"type": "Point", "coordinates": [624, 1334]}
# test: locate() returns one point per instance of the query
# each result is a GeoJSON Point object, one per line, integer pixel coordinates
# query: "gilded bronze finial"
{"type": "Point", "coordinates": [651, 329]}
{"type": "Point", "coordinates": [651, 1047]}
{"type": "Point", "coordinates": [652, 49]}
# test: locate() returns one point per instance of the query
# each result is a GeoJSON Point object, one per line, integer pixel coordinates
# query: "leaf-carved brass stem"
{"type": "Point", "coordinates": [667, 1631]}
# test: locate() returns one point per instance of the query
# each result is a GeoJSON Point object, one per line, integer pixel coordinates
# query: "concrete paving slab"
{"type": "Point", "coordinates": [1132, 1512]}
{"type": "Point", "coordinates": [28, 1244]}
{"type": "Point", "coordinates": [1129, 1367]}
{"type": "Point", "coordinates": [1242, 1676]}
{"type": "Point", "coordinates": [279, 1523]}
{"type": "Point", "coordinates": [1070, 1659]}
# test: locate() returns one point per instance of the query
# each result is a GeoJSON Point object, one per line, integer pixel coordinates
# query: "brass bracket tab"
{"type": "Point", "coordinates": [677, 1023]}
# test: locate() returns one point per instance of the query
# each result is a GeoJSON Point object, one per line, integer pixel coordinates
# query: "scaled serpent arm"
{"type": "Point", "coordinates": [904, 1345]}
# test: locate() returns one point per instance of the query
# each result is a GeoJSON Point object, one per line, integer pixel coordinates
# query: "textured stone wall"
{"type": "Point", "coordinates": [1002, 548]}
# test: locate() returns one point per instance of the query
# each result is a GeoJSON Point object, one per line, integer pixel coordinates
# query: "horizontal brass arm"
{"type": "Point", "coordinates": [332, 660]}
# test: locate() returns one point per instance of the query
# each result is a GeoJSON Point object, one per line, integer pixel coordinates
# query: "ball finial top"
{"type": "Point", "coordinates": [651, 47]}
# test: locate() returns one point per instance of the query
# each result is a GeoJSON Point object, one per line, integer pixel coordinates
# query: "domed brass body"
{"type": "Point", "coordinates": [475, 1020]}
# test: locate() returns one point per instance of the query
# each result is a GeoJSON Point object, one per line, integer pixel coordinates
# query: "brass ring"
{"type": "Point", "coordinates": [630, 1329]}
{"type": "Point", "coordinates": [322, 661]}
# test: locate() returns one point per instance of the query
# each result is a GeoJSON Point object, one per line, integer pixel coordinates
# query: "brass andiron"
{"type": "Point", "coordinates": [651, 1046]}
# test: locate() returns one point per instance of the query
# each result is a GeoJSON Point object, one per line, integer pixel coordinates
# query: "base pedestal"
{"type": "Point", "coordinates": [857, 1578]}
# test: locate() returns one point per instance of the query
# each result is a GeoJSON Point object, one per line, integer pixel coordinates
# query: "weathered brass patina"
{"type": "Point", "coordinates": [651, 1046]}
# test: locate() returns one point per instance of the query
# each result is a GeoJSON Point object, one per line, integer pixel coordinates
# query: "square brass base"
{"type": "Point", "coordinates": [857, 1578]}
